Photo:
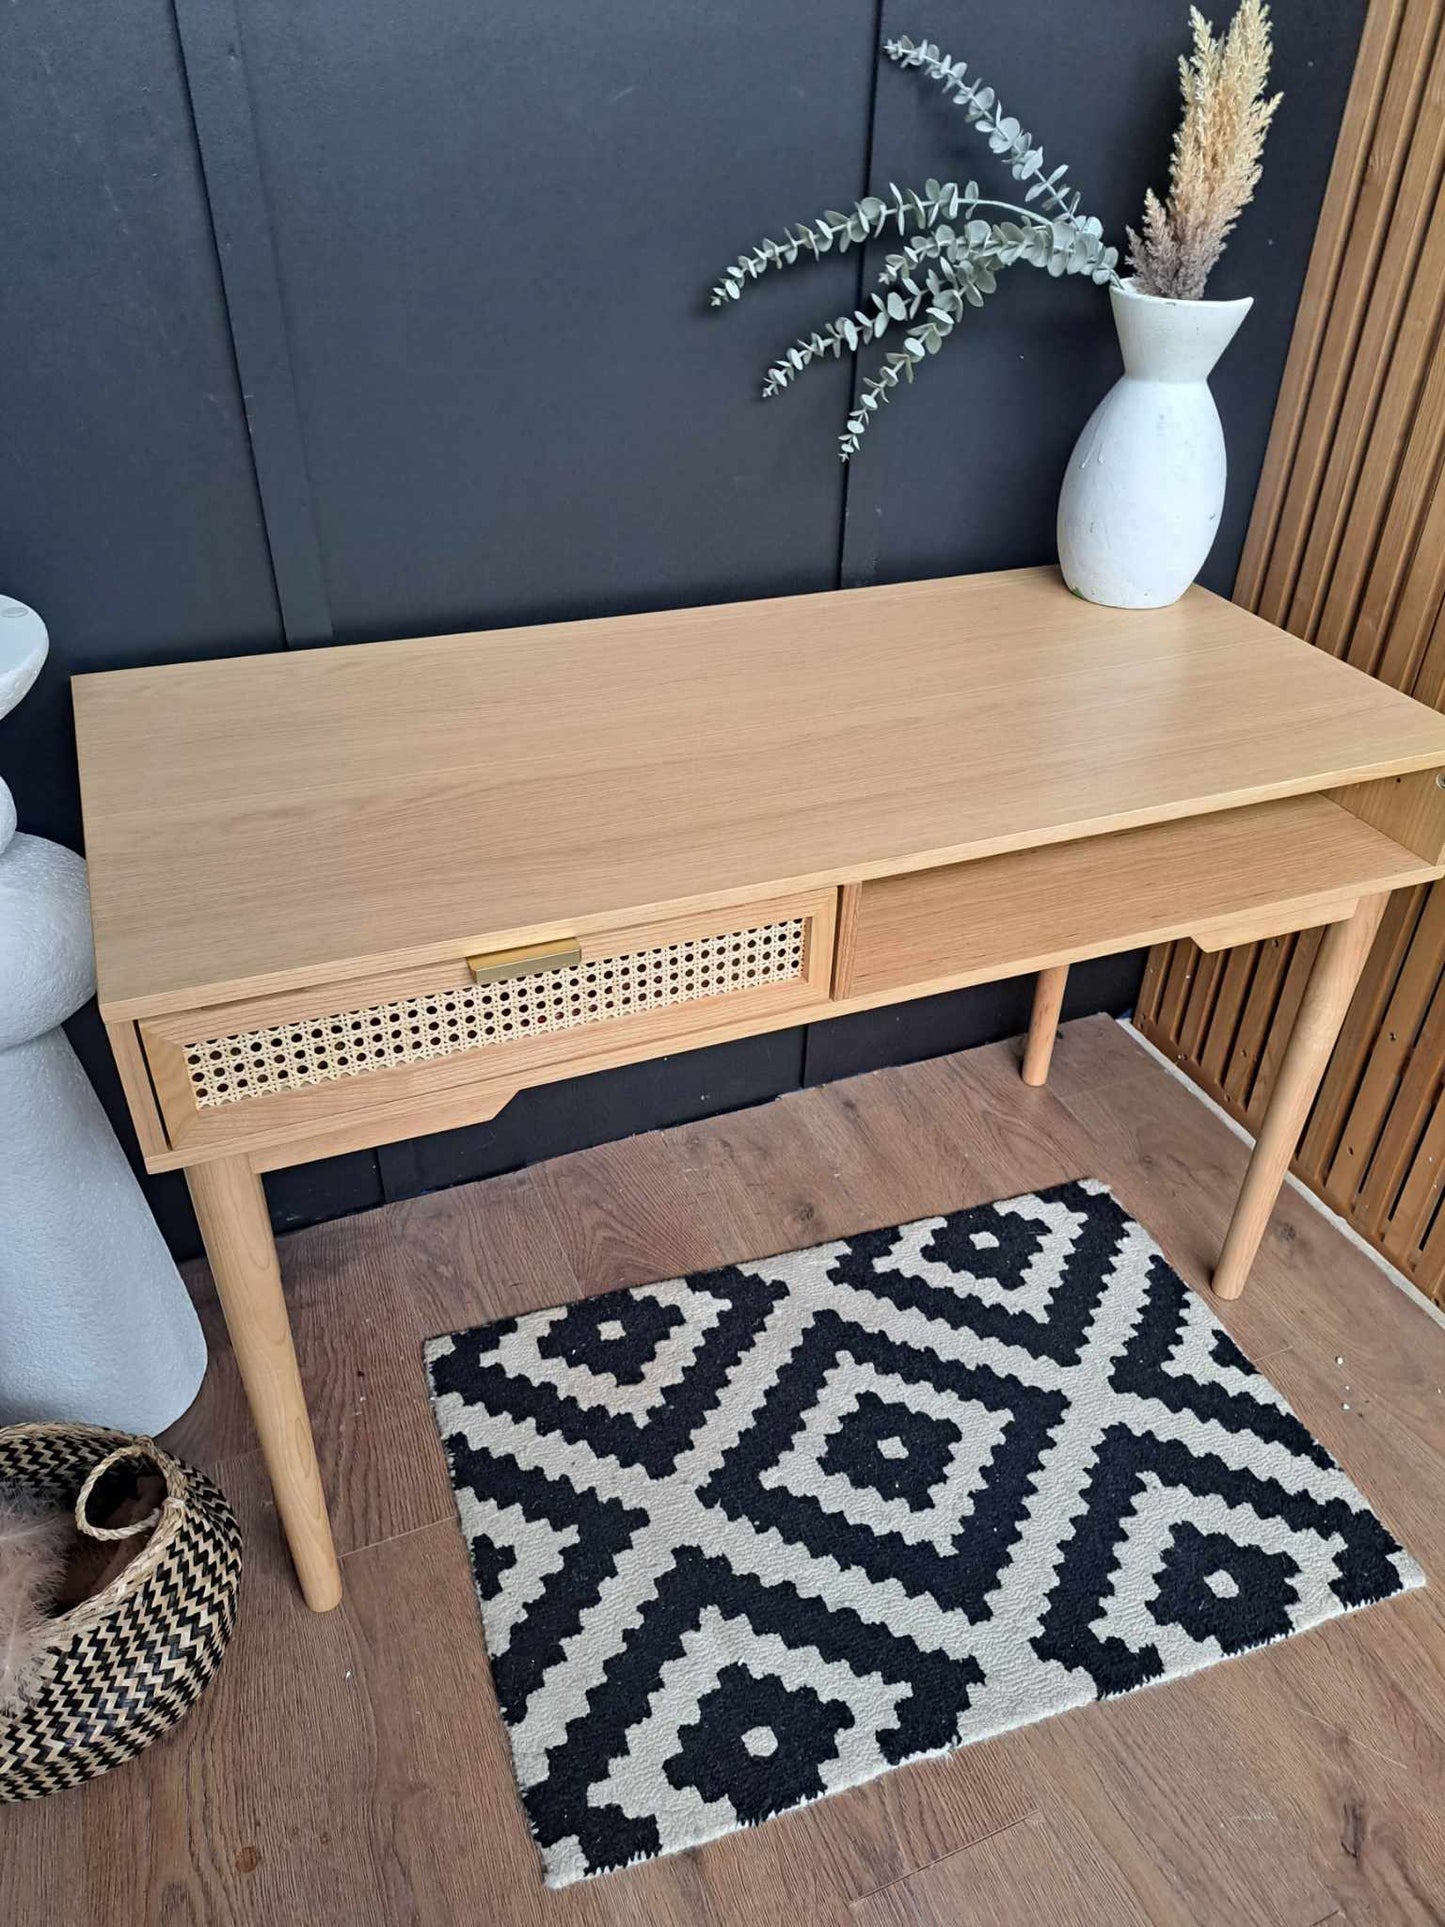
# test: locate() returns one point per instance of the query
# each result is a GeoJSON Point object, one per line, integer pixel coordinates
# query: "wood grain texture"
{"type": "Point", "coordinates": [1294, 860]}
{"type": "Point", "coordinates": [265, 823]}
{"type": "Point", "coordinates": [140, 1095]}
{"type": "Point", "coordinates": [1033, 1871]}
{"type": "Point", "coordinates": [231, 1211]}
{"type": "Point", "coordinates": [1409, 809]}
{"type": "Point", "coordinates": [354, 1310]}
{"type": "Point", "coordinates": [1044, 1024]}
{"type": "Point", "coordinates": [1270, 866]}
{"type": "Point", "coordinates": [1347, 548]}
{"type": "Point", "coordinates": [1250, 931]}
{"type": "Point", "coordinates": [474, 1082]}
{"type": "Point", "coordinates": [235, 1820]}
{"type": "Point", "coordinates": [350, 1770]}
{"type": "Point", "coordinates": [360, 993]}
{"type": "Point", "coordinates": [850, 897]}
{"type": "Point", "coordinates": [1343, 951]}
{"type": "Point", "coordinates": [369, 1125]}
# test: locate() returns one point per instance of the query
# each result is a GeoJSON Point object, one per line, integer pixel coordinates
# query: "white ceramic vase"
{"type": "Point", "coordinates": [1144, 488]}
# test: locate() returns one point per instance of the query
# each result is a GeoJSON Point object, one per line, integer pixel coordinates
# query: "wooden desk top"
{"type": "Point", "coordinates": [269, 821]}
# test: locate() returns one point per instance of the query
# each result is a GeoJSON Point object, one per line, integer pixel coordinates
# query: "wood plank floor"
{"type": "Point", "coordinates": [350, 1771]}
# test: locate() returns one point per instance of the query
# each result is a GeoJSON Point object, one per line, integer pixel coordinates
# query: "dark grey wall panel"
{"type": "Point", "coordinates": [128, 511]}
{"type": "Point", "coordinates": [496, 227]}
{"type": "Point", "coordinates": [220, 96]}
{"type": "Point", "coordinates": [962, 472]}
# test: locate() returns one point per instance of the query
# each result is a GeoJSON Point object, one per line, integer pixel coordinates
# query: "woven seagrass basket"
{"type": "Point", "coordinates": [125, 1665]}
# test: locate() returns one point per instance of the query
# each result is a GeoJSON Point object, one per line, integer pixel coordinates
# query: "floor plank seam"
{"type": "Point", "coordinates": [955, 1853]}
{"type": "Point", "coordinates": [374, 1545]}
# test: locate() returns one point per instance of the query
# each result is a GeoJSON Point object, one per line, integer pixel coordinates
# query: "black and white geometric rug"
{"type": "Point", "coordinates": [750, 1537]}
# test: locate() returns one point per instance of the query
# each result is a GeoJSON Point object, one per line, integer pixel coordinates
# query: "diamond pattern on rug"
{"type": "Point", "coordinates": [750, 1537]}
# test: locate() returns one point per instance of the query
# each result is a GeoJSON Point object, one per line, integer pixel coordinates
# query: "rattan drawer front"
{"type": "Point", "coordinates": [480, 1017]}
{"type": "Point", "coordinates": [222, 1073]}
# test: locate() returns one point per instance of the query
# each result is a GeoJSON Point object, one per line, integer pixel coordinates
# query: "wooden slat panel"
{"type": "Point", "coordinates": [1194, 1025]}
{"type": "Point", "coordinates": [1347, 548]}
{"type": "Point", "coordinates": [1385, 293]}
{"type": "Point", "coordinates": [1399, 461]}
{"type": "Point", "coordinates": [1150, 990]}
{"type": "Point", "coordinates": [1405, 1126]}
{"type": "Point", "coordinates": [1342, 237]}
{"type": "Point", "coordinates": [1403, 998]}
{"type": "Point", "coordinates": [1301, 963]}
{"type": "Point", "coordinates": [1420, 1193]}
{"type": "Point", "coordinates": [1184, 961]}
{"type": "Point", "coordinates": [1214, 1058]}
{"type": "Point", "coordinates": [1429, 686]}
{"type": "Point", "coordinates": [1408, 642]}
{"type": "Point", "coordinates": [1361, 207]}
{"type": "Point", "coordinates": [1428, 1261]}
{"type": "Point", "coordinates": [1257, 1022]}
{"type": "Point", "coordinates": [1337, 1115]}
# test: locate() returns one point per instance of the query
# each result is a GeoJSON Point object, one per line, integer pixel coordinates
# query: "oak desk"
{"type": "Point", "coordinates": [348, 895]}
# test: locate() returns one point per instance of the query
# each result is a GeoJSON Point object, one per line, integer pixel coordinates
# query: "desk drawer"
{"type": "Point", "coordinates": [233, 1074]}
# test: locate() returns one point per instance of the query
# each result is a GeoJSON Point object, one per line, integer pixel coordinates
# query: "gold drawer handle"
{"type": "Point", "coordinates": [499, 964]}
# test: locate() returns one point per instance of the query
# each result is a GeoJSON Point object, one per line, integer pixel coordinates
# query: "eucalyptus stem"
{"type": "Point", "coordinates": [870, 216]}
{"type": "Point", "coordinates": [942, 269]}
{"type": "Point", "coordinates": [1003, 133]}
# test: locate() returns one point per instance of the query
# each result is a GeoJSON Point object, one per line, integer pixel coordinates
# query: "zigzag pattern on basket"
{"type": "Point", "coordinates": [140, 1653]}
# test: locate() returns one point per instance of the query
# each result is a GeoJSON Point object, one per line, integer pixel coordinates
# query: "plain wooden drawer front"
{"type": "Point", "coordinates": [1223, 878]}
{"type": "Point", "coordinates": [233, 1074]}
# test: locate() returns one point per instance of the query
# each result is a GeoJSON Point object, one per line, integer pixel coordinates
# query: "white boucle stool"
{"type": "Point", "coordinates": [95, 1323]}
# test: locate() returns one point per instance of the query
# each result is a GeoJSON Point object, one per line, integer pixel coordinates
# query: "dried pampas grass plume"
{"type": "Point", "coordinates": [33, 1541]}
{"type": "Point", "coordinates": [1215, 165]}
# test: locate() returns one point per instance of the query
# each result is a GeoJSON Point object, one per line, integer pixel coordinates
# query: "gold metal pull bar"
{"type": "Point", "coordinates": [498, 964]}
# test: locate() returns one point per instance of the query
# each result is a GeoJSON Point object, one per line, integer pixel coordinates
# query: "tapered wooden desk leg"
{"type": "Point", "coordinates": [1044, 1023]}
{"type": "Point", "coordinates": [1342, 956]}
{"type": "Point", "coordinates": [231, 1207]}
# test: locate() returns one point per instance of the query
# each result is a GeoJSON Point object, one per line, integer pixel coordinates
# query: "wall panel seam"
{"type": "Point", "coordinates": [213, 56]}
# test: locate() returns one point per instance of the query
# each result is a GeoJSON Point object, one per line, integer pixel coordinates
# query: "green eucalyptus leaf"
{"type": "Point", "coordinates": [940, 267]}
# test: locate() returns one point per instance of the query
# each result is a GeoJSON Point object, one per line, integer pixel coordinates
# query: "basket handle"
{"type": "Point", "coordinates": [143, 1449]}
